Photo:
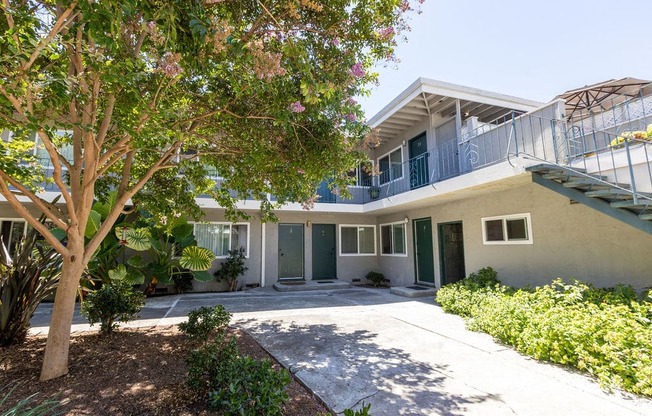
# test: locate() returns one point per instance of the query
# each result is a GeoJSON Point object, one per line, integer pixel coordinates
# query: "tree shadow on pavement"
{"type": "Point", "coordinates": [345, 368]}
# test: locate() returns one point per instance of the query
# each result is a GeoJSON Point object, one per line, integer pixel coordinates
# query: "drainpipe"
{"type": "Point", "coordinates": [262, 254]}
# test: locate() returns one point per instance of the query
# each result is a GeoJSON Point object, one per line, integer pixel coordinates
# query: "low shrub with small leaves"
{"type": "Point", "coordinates": [247, 386]}
{"type": "Point", "coordinates": [205, 321]}
{"type": "Point", "coordinates": [206, 363]}
{"type": "Point", "coordinates": [363, 411]}
{"type": "Point", "coordinates": [112, 302]}
{"type": "Point", "coordinates": [377, 278]}
{"type": "Point", "coordinates": [606, 332]}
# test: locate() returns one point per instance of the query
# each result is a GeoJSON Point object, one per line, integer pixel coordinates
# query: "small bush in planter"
{"type": "Point", "coordinates": [232, 268]}
{"type": "Point", "coordinates": [112, 302]}
{"type": "Point", "coordinates": [377, 278]}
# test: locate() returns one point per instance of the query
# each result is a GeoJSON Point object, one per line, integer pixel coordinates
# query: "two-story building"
{"type": "Point", "coordinates": [465, 178]}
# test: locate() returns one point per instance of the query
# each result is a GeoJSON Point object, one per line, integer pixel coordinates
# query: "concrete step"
{"type": "Point", "coordinates": [594, 183]}
{"type": "Point", "coordinates": [631, 204]}
{"type": "Point", "coordinates": [415, 291]}
{"type": "Point", "coordinates": [309, 285]}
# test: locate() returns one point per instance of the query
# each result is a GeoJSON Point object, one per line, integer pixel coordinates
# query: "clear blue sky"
{"type": "Point", "coordinates": [528, 49]}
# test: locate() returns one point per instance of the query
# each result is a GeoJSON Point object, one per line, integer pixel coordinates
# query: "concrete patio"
{"type": "Point", "coordinates": [404, 356]}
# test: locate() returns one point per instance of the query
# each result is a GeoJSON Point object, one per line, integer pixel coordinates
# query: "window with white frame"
{"type": "Point", "coordinates": [220, 237]}
{"type": "Point", "coordinates": [507, 229]}
{"type": "Point", "coordinates": [63, 143]}
{"type": "Point", "coordinates": [391, 166]}
{"type": "Point", "coordinates": [357, 240]}
{"type": "Point", "coordinates": [362, 174]}
{"type": "Point", "coordinates": [393, 239]}
{"type": "Point", "coordinates": [13, 230]}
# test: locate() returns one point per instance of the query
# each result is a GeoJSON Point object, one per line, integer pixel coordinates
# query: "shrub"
{"type": "Point", "coordinates": [114, 301]}
{"type": "Point", "coordinates": [246, 386]}
{"type": "Point", "coordinates": [364, 411]}
{"type": "Point", "coordinates": [234, 384]}
{"type": "Point", "coordinates": [205, 321]}
{"type": "Point", "coordinates": [29, 406]}
{"type": "Point", "coordinates": [606, 332]}
{"type": "Point", "coordinates": [232, 268]}
{"type": "Point", "coordinates": [205, 363]}
{"type": "Point", "coordinates": [377, 278]}
{"type": "Point", "coordinates": [31, 275]}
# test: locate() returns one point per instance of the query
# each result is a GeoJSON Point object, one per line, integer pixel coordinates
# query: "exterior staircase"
{"type": "Point", "coordinates": [614, 199]}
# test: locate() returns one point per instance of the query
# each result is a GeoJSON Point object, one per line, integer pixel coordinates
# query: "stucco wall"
{"type": "Point", "coordinates": [569, 241]}
{"type": "Point", "coordinates": [348, 267]}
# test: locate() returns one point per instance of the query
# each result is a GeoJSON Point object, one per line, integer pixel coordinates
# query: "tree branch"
{"type": "Point", "coordinates": [50, 36]}
{"type": "Point", "coordinates": [33, 221]}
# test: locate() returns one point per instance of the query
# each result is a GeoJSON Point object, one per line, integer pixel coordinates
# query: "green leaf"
{"type": "Point", "coordinates": [196, 258]}
{"type": "Point", "coordinates": [58, 233]}
{"type": "Point", "coordinates": [182, 231]}
{"type": "Point", "coordinates": [201, 275]}
{"type": "Point", "coordinates": [119, 273]}
{"type": "Point", "coordinates": [138, 239]}
{"type": "Point", "coordinates": [104, 208]}
{"type": "Point", "coordinates": [136, 261]}
{"type": "Point", "coordinates": [93, 224]}
{"type": "Point", "coordinates": [135, 277]}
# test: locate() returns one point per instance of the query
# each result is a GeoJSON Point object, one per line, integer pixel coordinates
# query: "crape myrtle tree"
{"type": "Point", "coordinates": [148, 97]}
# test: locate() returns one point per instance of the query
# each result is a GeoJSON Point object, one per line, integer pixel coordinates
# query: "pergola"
{"type": "Point", "coordinates": [603, 96]}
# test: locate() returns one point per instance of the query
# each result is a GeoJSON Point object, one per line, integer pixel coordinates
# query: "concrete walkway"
{"type": "Point", "coordinates": [404, 356]}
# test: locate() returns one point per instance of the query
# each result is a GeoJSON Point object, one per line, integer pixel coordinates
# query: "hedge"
{"type": "Point", "coordinates": [606, 332]}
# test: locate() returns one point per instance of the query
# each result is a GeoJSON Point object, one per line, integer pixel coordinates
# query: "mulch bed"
{"type": "Point", "coordinates": [134, 372]}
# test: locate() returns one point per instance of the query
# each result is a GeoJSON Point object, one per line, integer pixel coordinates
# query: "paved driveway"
{"type": "Point", "coordinates": [404, 356]}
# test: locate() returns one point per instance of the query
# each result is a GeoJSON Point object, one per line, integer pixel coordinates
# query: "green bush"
{"type": "Point", "coordinates": [234, 384]}
{"type": "Point", "coordinates": [232, 268]}
{"type": "Point", "coordinates": [246, 386]}
{"type": "Point", "coordinates": [364, 411]}
{"type": "Point", "coordinates": [114, 301]}
{"type": "Point", "coordinates": [377, 278]}
{"type": "Point", "coordinates": [606, 332]}
{"type": "Point", "coordinates": [205, 363]}
{"type": "Point", "coordinates": [205, 321]}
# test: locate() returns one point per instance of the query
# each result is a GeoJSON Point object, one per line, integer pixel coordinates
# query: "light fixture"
{"type": "Point", "coordinates": [308, 223]}
{"type": "Point", "coordinates": [406, 220]}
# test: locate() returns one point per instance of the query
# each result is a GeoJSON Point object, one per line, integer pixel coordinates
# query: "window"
{"type": "Point", "coordinates": [12, 232]}
{"type": "Point", "coordinates": [357, 240]}
{"type": "Point", "coordinates": [63, 143]}
{"type": "Point", "coordinates": [508, 229]}
{"type": "Point", "coordinates": [222, 237]}
{"type": "Point", "coordinates": [391, 166]}
{"type": "Point", "coordinates": [362, 174]}
{"type": "Point", "coordinates": [393, 239]}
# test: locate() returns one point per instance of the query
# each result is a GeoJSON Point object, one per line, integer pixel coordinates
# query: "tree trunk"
{"type": "Point", "coordinates": [55, 362]}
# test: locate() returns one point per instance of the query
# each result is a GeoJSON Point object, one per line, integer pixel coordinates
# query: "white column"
{"type": "Point", "coordinates": [262, 254]}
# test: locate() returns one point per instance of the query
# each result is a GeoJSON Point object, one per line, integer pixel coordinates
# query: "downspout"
{"type": "Point", "coordinates": [262, 254]}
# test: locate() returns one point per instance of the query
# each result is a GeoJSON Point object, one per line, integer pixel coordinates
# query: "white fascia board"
{"type": "Point", "coordinates": [290, 207]}
{"type": "Point", "coordinates": [430, 86]}
{"type": "Point", "coordinates": [409, 94]}
{"type": "Point", "coordinates": [461, 92]}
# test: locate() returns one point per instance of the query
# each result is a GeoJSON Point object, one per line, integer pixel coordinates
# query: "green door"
{"type": "Point", "coordinates": [323, 251]}
{"type": "Point", "coordinates": [425, 266]}
{"type": "Point", "coordinates": [451, 252]}
{"type": "Point", "coordinates": [290, 251]}
{"type": "Point", "coordinates": [418, 148]}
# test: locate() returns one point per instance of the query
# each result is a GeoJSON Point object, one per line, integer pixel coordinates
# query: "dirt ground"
{"type": "Point", "coordinates": [134, 372]}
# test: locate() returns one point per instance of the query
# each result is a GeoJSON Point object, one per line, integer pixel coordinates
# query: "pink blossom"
{"type": "Point", "coordinates": [386, 32]}
{"type": "Point", "coordinates": [357, 70]}
{"type": "Point", "coordinates": [169, 65]}
{"type": "Point", "coordinates": [296, 107]}
{"type": "Point", "coordinates": [336, 41]}
{"type": "Point", "coordinates": [350, 117]}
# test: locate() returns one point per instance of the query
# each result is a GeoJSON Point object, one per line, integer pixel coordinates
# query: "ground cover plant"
{"type": "Point", "coordinates": [606, 332]}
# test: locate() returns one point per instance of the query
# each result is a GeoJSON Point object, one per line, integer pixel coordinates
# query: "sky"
{"type": "Point", "coordinates": [534, 50]}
